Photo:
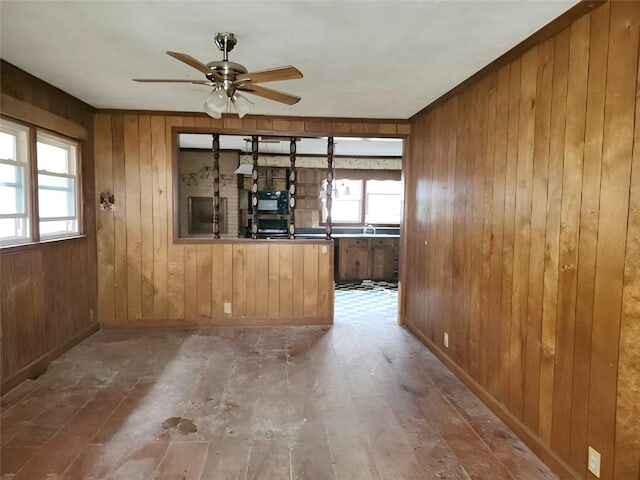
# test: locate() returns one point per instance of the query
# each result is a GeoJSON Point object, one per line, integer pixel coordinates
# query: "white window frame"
{"type": "Point", "coordinates": [72, 148]}
{"type": "Point", "coordinates": [366, 201]}
{"type": "Point", "coordinates": [364, 204]}
{"type": "Point", "coordinates": [23, 161]}
{"type": "Point", "coordinates": [335, 201]}
{"type": "Point", "coordinates": [28, 137]}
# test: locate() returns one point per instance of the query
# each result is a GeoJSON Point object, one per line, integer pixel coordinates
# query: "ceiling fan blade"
{"type": "Point", "coordinates": [159, 80]}
{"type": "Point", "coordinates": [189, 60]}
{"type": "Point", "coordinates": [271, 75]}
{"type": "Point", "coordinates": [269, 94]}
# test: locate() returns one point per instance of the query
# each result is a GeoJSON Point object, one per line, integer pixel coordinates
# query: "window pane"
{"type": "Point", "coordinates": [383, 208]}
{"type": "Point", "coordinates": [347, 190]}
{"type": "Point", "coordinates": [384, 186]}
{"type": "Point", "coordinates": [13, 141]}
{"type": "Point", "coordinates": [384, 201]}
{"type": "Point", "coordinates": [10, 200]}
{"type": "Point", "coordinates": [346, 204]}
{"type": "Point", "coordinates": [54, 228]}
{"type": "Point", "coordinates": [345, 211]}
{"type": "Point", "coordinates": [13, 230]}
{"type": "Point", "coordinates": [56, 196]}
{"type": "Point", "coordinates": [12, 194]}
{"type": "Point", "coordinates": [7, 146]}
{"type": "Point", "coordinates": [53, 158]}
{"type": "Point", "coordinates": [10, 174]}
{"type": "Point", "coordinates": [53, 182]}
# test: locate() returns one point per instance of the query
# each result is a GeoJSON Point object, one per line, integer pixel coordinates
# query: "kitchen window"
{"type": "Point", "coordinates": [39, 196]}
{"type": "Point", "coordinates": [357, 202]}
{"type": "Point", "coordinates": [346, 204]}
{"type": "Point", "coordinates": [383, 202]}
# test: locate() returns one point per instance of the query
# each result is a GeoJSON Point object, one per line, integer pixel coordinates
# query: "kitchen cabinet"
{"type": "Point", "coordinates": [355, 258]}
{"type": "Point", "coordinates": [368, 258]}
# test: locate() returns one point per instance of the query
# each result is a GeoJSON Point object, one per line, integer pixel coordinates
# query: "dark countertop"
{"type": "Point", "coordinates": [348, 235]}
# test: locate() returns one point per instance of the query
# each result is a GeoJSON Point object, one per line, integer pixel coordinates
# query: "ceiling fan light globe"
{"type": "Point", "coordinates": [212, 112]}
{"type": "Point", "coordinates": [241, 104]}
{"type": "Point", "coordinates": [217, 100]}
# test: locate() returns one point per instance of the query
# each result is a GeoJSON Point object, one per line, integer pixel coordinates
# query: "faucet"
{"type": "Point", "coordinates": [368, 227]}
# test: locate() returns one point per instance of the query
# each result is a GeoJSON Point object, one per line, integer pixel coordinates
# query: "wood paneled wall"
{"type": "Point", "coordinates": [48, 292]}
{"type": "Point", "coordinates": [523, 226]}
{"type": "Point", "coordinates": [146, 279]}
{"type": "Point", "coordinates": [47, 306]}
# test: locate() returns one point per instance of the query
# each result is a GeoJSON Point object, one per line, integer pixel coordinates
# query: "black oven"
{"type": "Point", "coordinates": [273, 201]}
{"type": "Point", "coordinates": [273, 213]}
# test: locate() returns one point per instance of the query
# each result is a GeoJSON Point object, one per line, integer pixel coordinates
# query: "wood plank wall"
{"type": "Point", "coordinates": [145, 279]}
{"type": "Point", "coordinates": [525, 187]}
{"type": "Point", "coordinates": [48, 292]}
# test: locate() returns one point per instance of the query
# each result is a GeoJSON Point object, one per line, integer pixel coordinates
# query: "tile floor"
{"type": "Point", "coordinates": [360, 400]}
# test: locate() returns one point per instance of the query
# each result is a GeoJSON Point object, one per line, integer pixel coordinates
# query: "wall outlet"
{"type": "Point", "coordinates": [446, 339]}
{"type": "Point", "coordinates": [594, 461]}
{"type": "Point", "coordinates": [324, 249]}
{"type": "Point", "coordinates": [227, 308]}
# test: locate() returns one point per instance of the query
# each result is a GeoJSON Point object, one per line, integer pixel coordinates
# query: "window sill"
{"type": "Point", "coordinates": [7, 249]}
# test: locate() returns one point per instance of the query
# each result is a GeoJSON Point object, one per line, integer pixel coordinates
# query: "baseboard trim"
{"type": "Point", "coordinates": [548, 456]}
{"type": "Point", "coordinates": [222, 322]}
{"type": "Point", "coordinates": [41, 363]}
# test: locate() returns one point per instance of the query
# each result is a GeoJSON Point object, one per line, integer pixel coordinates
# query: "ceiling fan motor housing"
{"type": "Point", "coordinates": [225, 42]}
{"type": "Point", "coordinates": [228, 70]}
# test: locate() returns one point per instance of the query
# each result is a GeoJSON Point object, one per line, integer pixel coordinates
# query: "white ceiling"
{"type": "Point", "coordinates": [378, 59]}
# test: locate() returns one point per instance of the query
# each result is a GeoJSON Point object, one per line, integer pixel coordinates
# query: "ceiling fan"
{"type": "Point", "coordinates": [229, 78]}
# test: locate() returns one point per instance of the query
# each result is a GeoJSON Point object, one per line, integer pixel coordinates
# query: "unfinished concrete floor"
{"type": "Point", "coordinates": [360, 400]}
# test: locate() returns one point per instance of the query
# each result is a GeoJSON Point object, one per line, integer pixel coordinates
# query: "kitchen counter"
{"type": "Point", "coordinates": [348, 235]}
{"type": "Point", "coordinates": [349, 232]}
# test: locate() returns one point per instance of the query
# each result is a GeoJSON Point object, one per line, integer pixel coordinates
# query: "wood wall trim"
{"type": "Point", "coordinates": [547, 455]}
{"type": "Point", "coordinates": [39, 366]}
{"type": "Point", "coordinates": [275, 123]}
{"type": "Point", "coordinates": [549, 30]}
{"type": "Point", "coordinates": [321, 156]}
{"type": "Point", "coordinates": [15, 249]}
{"type": "Point", "coordinates": [25, 112]}
{"type": "Point", "coordinates": [251, 241]}
{"type": "Point", "coordinates": [229, 322]}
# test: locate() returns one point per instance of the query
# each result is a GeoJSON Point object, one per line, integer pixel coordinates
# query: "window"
{"type": "Point", "coordinates": [57, 186]}
{"type": "Point", "coordinates": [360, 201]}
{"type": "Point", "coordinates": [384, 202]}
{"type": "Point", "coordinates": [14, 183]}
{"type": "Point", "coordinates": [53, 180]}
{"type": "Point", "coordinates": [346, 203]}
